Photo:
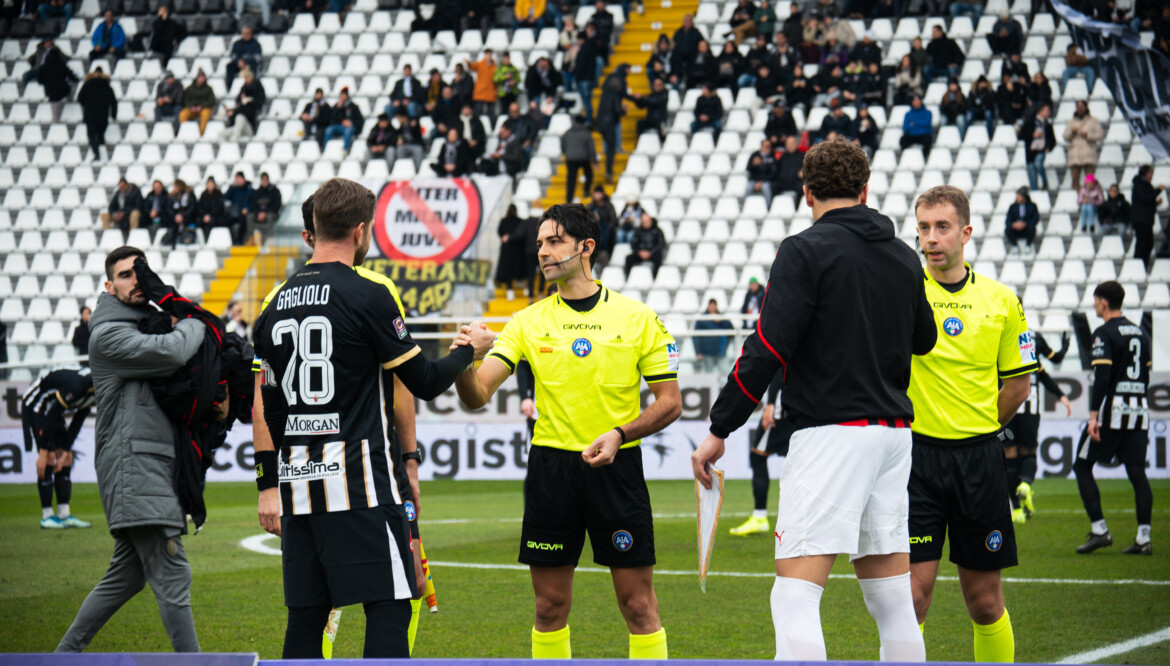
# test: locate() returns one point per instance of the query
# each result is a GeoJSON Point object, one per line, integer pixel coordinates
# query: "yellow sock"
{"type": "Point", "coordinates": [995, 641]}
{"type": "Point", "coordinates": [551, 644]}
{"type": "Point", "coordinates": [412, 630]}
{"type": "Point", "coordinates": [648, 646]}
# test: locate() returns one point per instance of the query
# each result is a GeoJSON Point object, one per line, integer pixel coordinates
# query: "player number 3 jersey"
{"type": "Point", "coordinates": [1125, 349]}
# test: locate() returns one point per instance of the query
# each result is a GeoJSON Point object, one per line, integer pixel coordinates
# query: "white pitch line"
{"type": "Point", "coordinates": [257, 544]}
{"type": "Point", "coordinates": [1118, 648]}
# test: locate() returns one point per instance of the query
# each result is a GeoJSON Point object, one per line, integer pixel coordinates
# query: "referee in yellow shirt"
{"type": "Point", "coordinates": [589, 348]}
{"type": "Point", "coordinates": [958, 481]}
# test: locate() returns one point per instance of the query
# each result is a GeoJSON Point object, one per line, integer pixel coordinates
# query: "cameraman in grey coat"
{"type": "Point", "coordinates": [135, 459]}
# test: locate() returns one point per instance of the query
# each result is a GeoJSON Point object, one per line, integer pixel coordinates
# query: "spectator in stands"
{"type": "Point", "coordinates": [528, 14]}
{"type": "Point", "coordinates": [316, 116]}
{"type": "Point", "coordinates": [98, 108]}
{"type": "Point", "coordinates": [168, 99]}
{"type": "Point", "coordinates": [610, 109]}
{"type": "Point", "coordinates": [408, 95]}
{"type": "Point", "coordinates": [580, 156]}
{"type": "Point", "coordinates": [345, 121]}
{"type": "Point", "coordinates": [703, 68]}
{"type": "Point", "coordinates": [125, 208]}
{"type": "Point", "coordinates": [763, 22]}
{"type": "Point", "coordinates": [57, 78]}
{"type": "Point", "coordinates": [476, 16]}
{"type": "Point", "coordinates": [80, 333]}
{"type": "Point", "coordinates": [907, 81]}
{"type": "Point", "coordinates": [382, 139]}
{"type": "Point", "coordinates": [834, 52]}
{"type": "Point", "coordinates": [854, 81]}
{"type": "Point", "coordinates": [946, 58]}
{"type": "Point", "coordinates": [410, 139]}
{"type": "Point", "coordinates": [780, 125]}
{"type": "Point", "coordinates": [567, 34]}
{"type": "Point", "coordinates": [463, 85]}
{"type": "Point", "coordinates": [656, 112]}
{"type": "Point", "coordinates": [585, 70]}
{"type": "Point", "coordinates": [813, 37]}
{"type": "Point", "coordinates": [708, 112]}
{"type": "Point", "coordinates": [954, 107]}
{"type": "Point", "coordinates": [828, 84]}
{"type": "Point", "coordinates": [873, 86]}
{"type": "Point", "coordinates": [109, 39]}
{"type": "Point", "coordinates": [1082, 134]}
{"type": "Point", "coordinates": [916, 127]}
{"type": "Point", "coordinates": [1090, 197]}
{"type": "Point", "coordinates": [1010, 98]}
{"type": "Point", "coordinates": [233, 321]}
{"type": "Point", "coordinates": [245, 54]}
{"type": "Point", "coordinates": [522, 126]}
{"type": "Point", "coordinates": [508, 157]}
{"type": "Point", "coordinates": [603, 21]}
{"type": "Point", "coordinates": [54, 8]}
{"type": "Point", "coordinates": [157, 206]}
{"type": "Point", "coordinates": [729, 66]}
{"type": "Point", "coordinates": [484, 94]}
{"type": "Point", "coordinates": [1076, 64]}
{"type": "Point", "coordinates": [240, 202]}
{"type": "Point", "coordinates": [1007, 35]}
{"type": "Point", "coordinates": [798, 93]}
{"type": "Point", "coordinates": [1015, 66]}
{"type": "Point", "coordinates": [867, 50]}
{"type": "Point", "coordinates": [760, 55]}
{"type": "Point", "coordinates": [741, 15]}
{"type": "Point", "coordinates": [249, 101]}
{"type": "Point", "coordinates": [510, 266]}
{"type": "Point", "coordinates": [981, 104]}
{"type": "Point", "coordinates": [646, 245]}
{"type": "Point", "coordinates": [1144, 210]}
{"type": "Point", "coordinates": [752, 300]}
{"type": "Point", "coordinates": [972, 9]}
{"type": "Point", "coordinates": [473, 132]}
{"type": "Point", "coordinates": [865, 131]}
{"type": "Point", "coordinates": [198, 102]}
{"type": "Point", "coordinates": [710, 351]}
{"type": "Point", "coordinates": [265, 11]}
{"type": "Point", "coordinates": [542, 80]}
{"type": "Point", "coordinates": [1020, 222]}
{"type": "Point", "coordinates": [770, 85]}
{"type": "Point", "coordinates": [268, 201]}
{"type": "Point", "coordinates": [761, 170]}
{"type": "Point", "coordinates": [340, 6]}
{"type": "Point", "coordinates": [788, 169]}
{"type": "Point", "coordinates": [607, 220]}
{"type": "Point", "coordinates": [445, 112]}
{"type": "Point", "coordinates": [630, 218]}
{"type": "Point", "coordinates": [165, 35]}
{"type": "Point", "coordinates": [1115, 213]}
{"type": "Point", "coordinates": [212, 212]}
{"type": "Point", "coordinates": [184, 212]}
{"type": "Point", "coordinates": [34, 63]}
{"type": "Point", "coordinates": [454, 157]}
{"type": "Point", "coordinates": [686, 45]}
{"type": "Point", "coordinates": [434, 91]}
{"type": "Point", "coordinates": [918, 54]}
{"type": "Point", "coordinates": [1038, 92]}
{"type": "Point", "coordinates": [507, 80]}
{"type": "Point", "coordinates": [837, 122]}
{"type": "Point", "coordinates": [1039, 140]}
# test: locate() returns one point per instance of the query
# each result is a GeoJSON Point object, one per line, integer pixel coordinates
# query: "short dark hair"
{"type": "Point", "coordinates": [124, 252]}
{"type": "Point", "coordinates": [307, 215]}
{"type": "Point", "coordinates": [1112, 293]}
{"type": "Point", "coordinates": [946, 194]}
{"type": "Point", "coordinates": [1145, 170]}
{"type": "Point", "coordinates": [342, 205]}
{"type": "Point", "coordinates": [576, 221]}
{"type": "Point", "coordinates": [836, 169]}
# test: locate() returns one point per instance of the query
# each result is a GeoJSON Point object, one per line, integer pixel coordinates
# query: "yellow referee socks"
{"type": "Point", "coordinates": [648, 646]}
{"type": "Point", "coordinates": [551, 644]}
{"type": "Point", "coordinates": [995, 641]}
{"type": "Point", "coordinates": [412, 630]}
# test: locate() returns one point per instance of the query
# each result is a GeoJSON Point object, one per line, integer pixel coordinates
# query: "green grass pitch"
{"type": "Point", "coordinates": [483, 613]}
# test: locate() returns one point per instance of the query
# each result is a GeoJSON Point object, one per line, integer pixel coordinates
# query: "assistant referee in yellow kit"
{"type": "Point", "coordinates": [589, 348]}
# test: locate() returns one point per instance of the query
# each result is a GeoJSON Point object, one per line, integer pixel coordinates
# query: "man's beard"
{"type": "Point", "coordinates": [132, 299]}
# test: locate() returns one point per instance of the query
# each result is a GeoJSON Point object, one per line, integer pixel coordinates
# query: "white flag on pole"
{"type": "Point", "coordinates": [710, 502]}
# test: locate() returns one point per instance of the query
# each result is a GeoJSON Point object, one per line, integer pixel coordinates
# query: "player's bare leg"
{"type": "Point", "coordinates": [983, 593]}
{"type": "Point", "coordinates": [639, 606]}
{"type": "Point", "coordinates": [922, 577]}
{"type": "Point", "coordinates": [885, 586]}
{"type": "Point", "coordinates": [553, 589]}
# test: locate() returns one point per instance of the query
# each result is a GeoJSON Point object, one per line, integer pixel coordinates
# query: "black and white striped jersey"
{"type": "Point", "coordinates": [1034, 405]}
{"type": "Point", "coordinates": [58, 391]}
{"type": "Point", "coordinates": [1121, 360]}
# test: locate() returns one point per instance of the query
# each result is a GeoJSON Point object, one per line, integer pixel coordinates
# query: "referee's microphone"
{"type": "Point", "coordinates": [567, 259]}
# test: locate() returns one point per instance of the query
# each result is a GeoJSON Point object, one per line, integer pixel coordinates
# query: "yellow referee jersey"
{"type": "Point", "coordinates": [588, 365]}
{"type": "Point", "coordinates": [983, 338]}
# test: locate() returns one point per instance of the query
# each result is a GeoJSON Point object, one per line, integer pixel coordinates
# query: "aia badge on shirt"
{"type": "Point", "coordinates": [1027, 348]}
{"type": "Point", "coordinates": [672, 357]}
{"type": "Point", "coordinates": [400, 328]}
{"type": "Point", "coordinates": [582, 347]}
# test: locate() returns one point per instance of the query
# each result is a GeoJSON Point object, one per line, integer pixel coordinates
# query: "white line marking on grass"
{"type": "Point", "coordinates": [256, 544]}
{"type": "Point", "coordinates": [1118, 648]}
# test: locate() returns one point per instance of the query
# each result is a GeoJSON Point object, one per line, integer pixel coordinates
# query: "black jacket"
{"type": "Point", "coordinates": [349, 112]}
{"type": "Point", "coordinates": [268, 199]}
{"type": "Point", "coordinates": [81, 338]}
{"type": "Point", "coordinates": [848, 311]}
{"type": "Point", "coordinates": [211, 203]}
{"type": "Point", "coordinates": [945, 51]}
{"type": "Point", "coordinates": [842, 125]}
{"type": "Point", "coordinates": [536, 85]}
{"type": "Point", "coordinates": [1115, 210]}
{"type": "Point", "coordinates": [1026, 132]}
{"type": "Point", "coordinates": [655, 104]}
{"type": "Point", "coordinates": [712, 107]}
{"type": "Point", "coordinates": [648, 239]}
{"type": "Point", "coordinates": [418, 92]}
{"type": "Point", "coordinates": [782, 126]}
{"type": "Point", "coordinates": [1145, 202]}
{"type": "Point", "coordinates": [98, 106]}
{"type": "Point", "coordinates": [462, 159]}
{"type": "Point", "coordinates": [133, 201]}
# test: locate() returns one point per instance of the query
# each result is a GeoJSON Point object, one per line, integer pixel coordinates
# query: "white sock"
{"type": "Point", "coordinates": [891, 604]}
{"type": "Point", "coordinates": [1099, 527]}
{"type": "Point", "coordinates": [1143, 536]}
{"type": "Point", "coordinates": [796, 615]}
{"type": "Point", "coordinates": [46, 512]}
{"type": "Point", "coordinates": [63, 510]}
{"type": "Point", "coordinates": [760, 513]}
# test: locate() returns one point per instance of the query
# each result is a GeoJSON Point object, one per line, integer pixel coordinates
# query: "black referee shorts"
{"type": "Point", "coordinates": [565, 498]}
{"type": "Point", "coordinates": [347, 557]}
{"type": "Point", "coordinates": [961, 488]}
{"type": "Point", "coordinates": [1025, 430]}
{"type": "Point", "coordinates": [775, 441]}
{"type": "Point", "coordinates": [1128, 445]}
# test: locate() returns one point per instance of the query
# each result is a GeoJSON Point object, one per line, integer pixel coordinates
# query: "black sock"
{"type": "Point", "coordinates": [387, 622]}
{"type": "Point", "coordinates": [45, 488]}
{"type": "Point", "coordinates": [1013, 479]}
{"type": "Point", "coordinates": [1090, 494]}
{"type": "Point", "coordinates": [302, 638]}
{"type": "Point", "coordinates": [1143, 497]}
{"type": "Point", "coordinates": [760, 479]}
{"type": "Point", "coordinates": [1028, 468]}
{"type": "Point", "coordinates": [64, 485]}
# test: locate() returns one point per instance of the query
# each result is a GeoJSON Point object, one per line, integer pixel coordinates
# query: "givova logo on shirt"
{"type": "Point", "coordinates": [1027, 348]}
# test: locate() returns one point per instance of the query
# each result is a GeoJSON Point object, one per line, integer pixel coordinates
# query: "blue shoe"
{"type": "Point", "coordinates": [71, 521]}
{"type": "Point", "coordinates": [52, 523]}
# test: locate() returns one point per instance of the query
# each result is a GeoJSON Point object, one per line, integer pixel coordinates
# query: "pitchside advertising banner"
{"type": "Point", "coordinates": [491, 443]}
{"type": "Point", "coordinates": [1137, 76]}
